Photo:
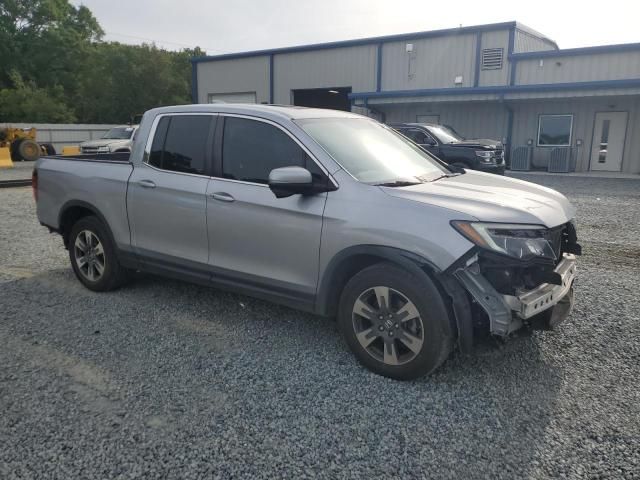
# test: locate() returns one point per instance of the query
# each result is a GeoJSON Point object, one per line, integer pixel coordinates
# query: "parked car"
{"type": "Point", "coordinates": [118, 139]}
{"type": "Point", "coordinates": [324, 211]}
{"type": "Point", "coordinates": [446, 144]}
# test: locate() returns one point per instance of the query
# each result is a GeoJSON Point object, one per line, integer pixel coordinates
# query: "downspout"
{"type": "Point", "coordinates": [507, 153]}
{"type": "Point", "coordinates": [512, 61]}
{"type": "Point", "coordinates": [194, 81]}
{"type": "Point", "coordinates": [271, 61]}
{"type": "Point", "coordinates": [476, 73]}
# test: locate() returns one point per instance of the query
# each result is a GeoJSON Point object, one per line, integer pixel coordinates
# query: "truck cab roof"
{"type": "Point", "coordinates": [284, 112]}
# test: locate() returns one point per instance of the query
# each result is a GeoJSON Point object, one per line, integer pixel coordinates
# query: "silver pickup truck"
{"type": "Point", "coordinates": [324, 211]}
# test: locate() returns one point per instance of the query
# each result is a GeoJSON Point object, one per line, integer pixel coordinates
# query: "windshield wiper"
{"type": "Point", "coordinates": [397, 183]}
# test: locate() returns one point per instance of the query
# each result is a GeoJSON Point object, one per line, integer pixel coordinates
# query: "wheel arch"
{"type": "Point", "coordinates": [74, 210]}
{"type": "Point", "coordinates": [346, 263]}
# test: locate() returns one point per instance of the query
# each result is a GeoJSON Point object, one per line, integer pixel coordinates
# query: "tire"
{"type": "Point", "coordinates": [388, 331]}
{"type": "Point", "coordinates": [28, 150]}
{"type": "Point", "coordinates": [14, 147]}
{"type": "Point", "coordinates": [102, 272]}
{"type": "Point", "coordinates": [49, 148]}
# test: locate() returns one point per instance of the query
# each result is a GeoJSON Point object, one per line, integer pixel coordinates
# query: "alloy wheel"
{"type": "Point", "coordinates": [89, 255]}
{"type": "Point", "coordinates": [388, 325]}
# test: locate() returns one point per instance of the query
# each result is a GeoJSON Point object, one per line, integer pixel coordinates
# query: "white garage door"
{"type": "Point", "coordinates": [236, 97]}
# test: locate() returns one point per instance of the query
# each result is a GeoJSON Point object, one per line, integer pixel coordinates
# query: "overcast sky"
{"type": "Point", "coordinates": [240, 25]}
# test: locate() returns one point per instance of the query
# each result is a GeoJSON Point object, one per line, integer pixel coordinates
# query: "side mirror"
{"type": "Point", "coordinates": [287, 181]}
{"type": "Point", "coordinates": [430, 142]}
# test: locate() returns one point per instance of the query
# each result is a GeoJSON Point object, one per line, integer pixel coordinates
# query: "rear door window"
{"type": "Point", "coordinates": [180, 143]}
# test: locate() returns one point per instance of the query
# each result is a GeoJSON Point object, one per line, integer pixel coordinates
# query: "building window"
{"type": "Point", "coordinates": [554, 130]}
{"type": "Point", "coordinates": [492, 58]}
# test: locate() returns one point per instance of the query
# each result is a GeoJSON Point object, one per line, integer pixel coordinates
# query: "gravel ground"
{"type": "Point", "coordinates": [20, 171]}
{"type": "Point", "coordinates": [169, 380]}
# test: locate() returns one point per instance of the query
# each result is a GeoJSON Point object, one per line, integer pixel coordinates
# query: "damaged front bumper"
{"type": "Point", "coordinates": [508, 312]}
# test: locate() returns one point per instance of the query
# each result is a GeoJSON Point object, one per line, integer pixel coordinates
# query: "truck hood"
{"type": "Point", "coordinates": [103, 142]}
{"type": "Point", "coordinates": [484, 143]}
{"type": "Point", "coordinates": [491, 198]}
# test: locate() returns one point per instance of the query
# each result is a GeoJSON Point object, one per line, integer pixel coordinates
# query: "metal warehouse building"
{"type": "Point", "coordinates": [502, 81]}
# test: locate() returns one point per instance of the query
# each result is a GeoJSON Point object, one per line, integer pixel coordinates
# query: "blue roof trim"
{"type": "Point", "coordinates": [622, 47]}
{"type": "Point", "coordinates": [360, 41]}
{"type": "Point", "coordinates": [627, 83]}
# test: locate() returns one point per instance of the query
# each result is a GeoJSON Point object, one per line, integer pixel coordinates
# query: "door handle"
{"type": "Point", "coordinates": [147, 184]}
{"type": "Point", "coordinates": [222, 196]}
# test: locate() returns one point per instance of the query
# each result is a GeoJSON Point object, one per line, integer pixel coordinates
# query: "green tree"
{"type": "Point", "coordinates": [27, 103]}
{"type": "Point", "coordinates": [45, 40]}
{"type": "Point", "coordinates": [123, 80]}
{"type": "Point", "coordinates": [62, 69]}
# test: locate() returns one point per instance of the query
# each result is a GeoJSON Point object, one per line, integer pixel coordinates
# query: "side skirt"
{"type": "Point", "coordinates": [207, 275]}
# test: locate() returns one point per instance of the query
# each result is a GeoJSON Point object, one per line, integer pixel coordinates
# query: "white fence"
{"type": "Point", "coordinates": [60, 134]}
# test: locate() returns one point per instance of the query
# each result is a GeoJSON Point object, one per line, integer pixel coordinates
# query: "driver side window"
{"type": "Point", "coordinates": [420, 137]}
{"type": "Point", "coordinates": [251, 149]}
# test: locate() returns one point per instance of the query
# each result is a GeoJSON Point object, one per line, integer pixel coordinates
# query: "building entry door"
{"type": "Point", "coordinates": [607, 146]}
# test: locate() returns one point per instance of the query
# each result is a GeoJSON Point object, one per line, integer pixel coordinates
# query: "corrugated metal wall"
{"type": "Point", "coordinates": [337, 67]}
{"type": "Point", "coordinates": [238, 75]}
{"type": "Point", "coordinates": [579, 68]}
{"type": "Point", "coordinates": [499, 39]}
{"type": "Point", "coordinates": [525, 42]}
{"type": "Point", "coordinates": [525, 126]}
{"type": "Point", "coordinates": [472, 120]}
{"type": "Point", "coordinates": [434, 63]}
{"type": "Point", "coordinates": [60, 134]}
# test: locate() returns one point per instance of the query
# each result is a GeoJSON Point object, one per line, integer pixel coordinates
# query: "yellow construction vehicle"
{"type": "Point", "coordinates": [22, 144]}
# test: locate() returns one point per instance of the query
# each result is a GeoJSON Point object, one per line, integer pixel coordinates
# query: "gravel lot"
{"type": "Point", "coordinates": [20, 171]}
{"type": "Point", "coordinates": [169, 380]}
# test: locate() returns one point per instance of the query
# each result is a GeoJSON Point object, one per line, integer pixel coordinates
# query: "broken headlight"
{"type": "Point", "coordinates": [514, 240]}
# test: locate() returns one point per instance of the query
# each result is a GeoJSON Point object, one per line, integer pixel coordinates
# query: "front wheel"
{"type": "Point", "coordinates": [93, 256]}
{"type": "Point", "coordinates": [395, 322]}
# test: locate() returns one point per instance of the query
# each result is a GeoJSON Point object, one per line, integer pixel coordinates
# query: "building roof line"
{"type": "Point", "coordinates": [534, 33]}
{"type": "Point", "coordinates": [361, 41]}
{"type": "Point", "coordinates": [504, 89]}
{"type": "Point", "coordinates": [616, 48]}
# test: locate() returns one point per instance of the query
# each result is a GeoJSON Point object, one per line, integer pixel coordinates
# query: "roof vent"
{"type": "Point", "coordinates": [492, 58]}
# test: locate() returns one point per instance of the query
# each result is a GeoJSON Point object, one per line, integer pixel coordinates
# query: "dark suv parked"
{"type": "Point", "coordinates": [446, 144]}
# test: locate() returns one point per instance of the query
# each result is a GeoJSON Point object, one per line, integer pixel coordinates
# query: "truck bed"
{"type": "Point", "coordinates": [96, 181]}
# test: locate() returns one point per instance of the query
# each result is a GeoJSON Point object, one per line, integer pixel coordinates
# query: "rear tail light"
{"type": "Point", "coordinates": [34, 184]}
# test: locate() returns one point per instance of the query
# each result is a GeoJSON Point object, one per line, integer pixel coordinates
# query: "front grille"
{"type": "Point", "coordinates": [498, 156]}
{"type": "Point", "coordinates": [89, 149]}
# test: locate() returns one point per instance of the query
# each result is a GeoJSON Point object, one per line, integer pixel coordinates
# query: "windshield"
{"type": "Point", "coordinates": [119, 133]}
{"type": "Point", "coordinates": [445, 134]}
{"type": "Point", "coordinates": [372, 152]}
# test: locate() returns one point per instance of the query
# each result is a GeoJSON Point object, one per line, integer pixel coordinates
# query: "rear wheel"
{"type": "Point", "coordinates": [93, 256]}
{"type": "Point", "coordinates": [395, 322]}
